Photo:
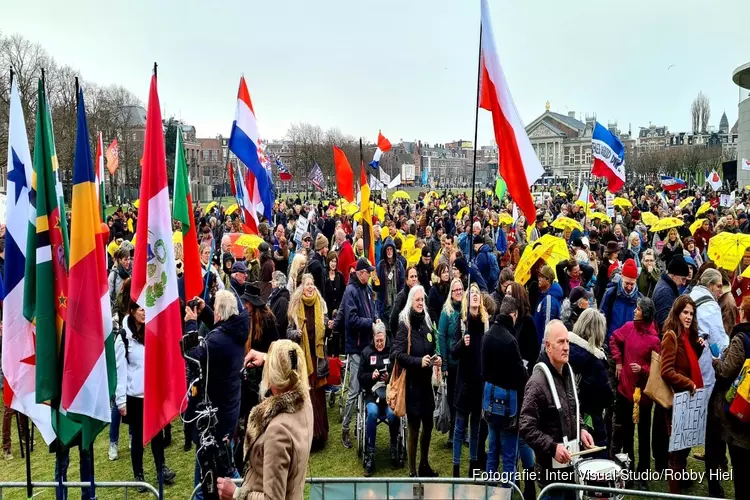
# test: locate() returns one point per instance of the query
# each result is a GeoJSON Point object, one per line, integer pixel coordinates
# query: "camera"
{"type": "Point", "coordinates": [193, 304]}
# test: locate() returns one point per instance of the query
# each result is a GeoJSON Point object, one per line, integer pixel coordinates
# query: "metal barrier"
{"type": "Point", "coordinates": [559, 487]}
{"type": "Point", "coordinates": [380, 487]}
{"type": "Point", "coordinates": [81, 484]}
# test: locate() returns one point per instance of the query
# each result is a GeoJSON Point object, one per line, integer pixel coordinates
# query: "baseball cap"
{"type": "Point", "coordinates": [364, 264]}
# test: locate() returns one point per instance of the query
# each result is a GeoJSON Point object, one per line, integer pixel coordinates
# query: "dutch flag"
{"type": "Point", "coordinates": [383, 146]}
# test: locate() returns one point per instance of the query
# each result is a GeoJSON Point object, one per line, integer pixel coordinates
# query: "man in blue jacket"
{"type": "Point", "coordinates": [620, 299]}
{"type": "Point", "coordinates": [358, 316]}
{"type": "Point", "coordinates": [486, 262]}
{"type": "Point", "coordinates": [550, 300]}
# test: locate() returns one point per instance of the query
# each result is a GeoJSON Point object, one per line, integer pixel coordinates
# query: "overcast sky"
{"type": "Point", "coordinates": [407, 67]}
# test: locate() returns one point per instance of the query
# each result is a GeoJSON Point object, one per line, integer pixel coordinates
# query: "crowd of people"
{"type": "Point", "coordinates": [452, 298]}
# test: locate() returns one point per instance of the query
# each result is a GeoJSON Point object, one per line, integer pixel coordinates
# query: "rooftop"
{"type": "Point", "coordinates": [741, 76]}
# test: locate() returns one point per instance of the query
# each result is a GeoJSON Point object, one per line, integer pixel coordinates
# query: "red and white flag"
{"type": "Point", "coordinates": [519, 165]}
{"type": "Point", "coordinates": [154, 282]}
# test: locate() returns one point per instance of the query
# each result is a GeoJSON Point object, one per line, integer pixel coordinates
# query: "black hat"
{"type": "Point", "coordinates": [227, 257]}
{"type": "Point", "coordinates": [252, 295]}
{"type": "Point", "coordinates": [678, 267]}
{"type": "Point", "coordinates": [478, 240]}
{"type": "Point", "coordinates": [239, 267]}
{"type": "Point", "coordinates": [461, 265]}
{"type": "Point", "coordinates": [364, 264]}
{"type": "Point", "coordinates": [539, 217]}
{"type": "Point", "coordinates": [579, 293]}
{"type": "Point", "coordinates": [426, 252]}
{"type": "Point", "coordinates": [578, 243]}
{"type": "Point", "coordinates": [612, 247]}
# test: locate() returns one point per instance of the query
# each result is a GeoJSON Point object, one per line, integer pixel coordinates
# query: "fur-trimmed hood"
{"type": "Point", "coordinates": [583, 344]}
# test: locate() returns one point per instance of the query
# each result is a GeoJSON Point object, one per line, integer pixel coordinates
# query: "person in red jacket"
{"type": "Point", "coordinates": [740, 285]}
{"type": "Point", "coordinates": [631, 346]}
{"type": "Point", "coordinates": [347, 261]}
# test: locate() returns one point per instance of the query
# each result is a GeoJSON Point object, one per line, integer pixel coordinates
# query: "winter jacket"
{"type": "Point", "coordinates": [664, 296]}
{"type": "Point", "coordinates": [115, 281]}
{"type": "Point", "coordinates": [397, 273]}
{"type": "Point", "coordinates": [587, 272]}
{"type": "Point", "coordinates": [528, 342]}
{"type": "Point", "coordinates": [549, 306]}
{"type": "Point", "coordinates": [372, 360]}
{"type": "Point", "coordinates": [502, 364]}
{"type": "Point", "coordinates": [464, 244]}
{"type": "Point", "coordinates": [424, 275]}
{"type": "Point", "coordinates": [647, 281]}
{"type": "Point", "coordinates": [398, 305]}
{"type": "Point", "coordinates": [540, 424]}
{"type": "Point", "coordinates": [501, 242]}
{"type": "Point", "coordinates": [279, 304]}
{"type": "Point", "coordinates": [130, 368]}
{"type": "Point", "coordinates": [420, 401]}
{"type": "Point", "coordinates": [634, 342]}
{"type": "Point", "coordinates": [346, 260]}
{"type": "Point", "coordinates": [675, 366]}
{"type": "Point", "coordinates": [488, 267]}
{"type": "Point", "coordinates": [727, 368]}
{"type": "Point", "coordinates": [437, 297]}
{"type": "Point", "coordinates": [711, 328]}
{"type": "Point", "coordinates": [319, 269]}
{"type": "Point", "coordinates": [447, 326]}
{"type": "Point", "coordinates": [224, 356]}
{"type": "Point", "coordinates": [358, 315]}
{"type": "Point", "coordinates": [618, 307]}
{"type": "Point", "coordinates": [590, 366]}
{"type": "Point", "coordinates": [468, 389]}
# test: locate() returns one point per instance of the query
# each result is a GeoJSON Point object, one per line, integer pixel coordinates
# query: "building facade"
{"type": "Point", "coordinates": [741, 77]}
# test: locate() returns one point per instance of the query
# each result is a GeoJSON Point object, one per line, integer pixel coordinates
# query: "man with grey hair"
{"type": "Point", "coordinates": [278, 301]}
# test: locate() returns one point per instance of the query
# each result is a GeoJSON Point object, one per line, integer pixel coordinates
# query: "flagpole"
{"type": "Point", "coordinates": [474, 169]}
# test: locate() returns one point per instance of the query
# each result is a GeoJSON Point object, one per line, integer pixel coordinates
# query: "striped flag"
{"type": "Point", "coordinates": [99, 166]}
{"type": "Point", "coordinates": [89, 371]}
{"type": "Point", "coordinates": [284, 174]}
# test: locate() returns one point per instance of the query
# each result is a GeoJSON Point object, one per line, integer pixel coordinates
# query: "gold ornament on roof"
{"type": "Point", "coordinates": [546, 106]}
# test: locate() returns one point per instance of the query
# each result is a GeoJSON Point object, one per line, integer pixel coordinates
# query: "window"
{"type": "Point", "coordinates": [588, 156]}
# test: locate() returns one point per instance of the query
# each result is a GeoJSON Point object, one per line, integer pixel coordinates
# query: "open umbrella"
{"type": "Point", "coordinates": [430, 196]}
{"type": "Point", "coordinates": [567, 223]}
{"type": "Point", "coordinates": [666, 223]}
{"type": "Point", "coordinates": [208, 207]}
{"type": "Point", "coordinates": [649, 219]}
{"type": "Point", "coordinates": [505, 218]}
{"type": "Point", "coordinates": [232, 209]}
{"type": "Point", "coordinates": [241, 241]}
{"type": "Point", "coordinates": [685, 202]}
{"type": "Point", "coordinates": [400, 195]}
{"type": "Point", "coordinates": [600, 216]}
{"type": "Point", "coordinates": [137, 203]}
{"type": "Point", "coordinates": [582, 203]}
{"type": "Point", "coordinates": [550, 249]}
{"type": "Point", "coordinates": [622, 202]}
{"type": "Point", "coordinates": [462, 213]}
{"type": "Point", "coordinates": [695, 225]}
{"type": "Point", "coordinates": [562, 195]}
{"type": "Point", "coordinates": [726, 249]}
{"type": "Point", "coordinates": [649, 186]}
{"type": "Point", "coordinates": [703, 208]}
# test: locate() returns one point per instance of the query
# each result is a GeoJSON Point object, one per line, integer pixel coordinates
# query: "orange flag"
{"type": "Point", "coordinates": [344, 175]}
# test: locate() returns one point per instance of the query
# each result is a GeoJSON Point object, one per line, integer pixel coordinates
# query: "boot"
{"type": "Point", "coordinates": [456, 470]}
{"type": "Point", "coordinates": [715, 490]}
{"type": "Point", "coordinates": [345, 440]}
{"type": "Point", "coordinates": [473, 465]}
{"type": "Point", "coordinates": [395, 464]}
{"type": "Point", "coordinates": [369, 463]}
{"type": "Point", "coordinates": [529, 488]}
{"type": "Point", "coordinates": [140, 479]}
{"type": "Point", "coordinates": [426, 471]}
{"type": "Point", "coordinates": [168, 474]}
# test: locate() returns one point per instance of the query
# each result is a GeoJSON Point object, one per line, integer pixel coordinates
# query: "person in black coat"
{"type": "Point", "coordinates": [466, 348]}
{"type": "Point", "coordinates": [317, 264]}
{"type": "Point", "coordinates": [334, 293]}
{"type": "Point", "coordinates": [278, 301]}
{"type": "Point", "coordinates": [439, 292]}
{"type": "Point", "coordinates": [414, 350]}
{"type": "Point", "coordinates": [400, 301]}
{"type": "Point", "coordinates": [424, 269]}
{"type": "Point", "coordinates": [524, 327]}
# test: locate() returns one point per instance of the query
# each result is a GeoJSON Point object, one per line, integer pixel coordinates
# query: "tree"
{"type": "Point", "coordinates": [700, 112]}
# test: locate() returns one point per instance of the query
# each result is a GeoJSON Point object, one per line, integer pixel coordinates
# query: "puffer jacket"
{"type": "Point", "coordinates": [665, 294]}
{"type": "Point", "coordinates": [488, 267]}
{"type": "Point", "coordinates": [634, 342]}
{"type": "Point", "coordinates": [727, 369]}
{"type": "Point", "coordinates": [549, 308]}
{"type": "Point", "coordinates": [711, 328]}
{"type": "Point", "coordinates": [618, 307]}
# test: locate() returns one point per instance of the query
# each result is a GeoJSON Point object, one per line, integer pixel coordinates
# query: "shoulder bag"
{"type": "Point", "coordinates": [396, 391]}
{"type": "Point", "coordinates": [656, 388]}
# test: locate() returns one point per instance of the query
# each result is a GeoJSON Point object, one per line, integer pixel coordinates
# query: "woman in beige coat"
{"type": "Point", "coordinates": [279, 431]}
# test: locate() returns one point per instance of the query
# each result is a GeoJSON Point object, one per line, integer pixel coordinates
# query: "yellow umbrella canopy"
{"type": "Point", "coordinates": [462, 213]}
{"type": "Point", "coordinates": [649, 219]}
{"type": "Point", "coordinates": [208, 207]}
{"type": "Point", "coordinates": [695, 225]}
{"type": "Point", "coordinates": [379, 212]}
{"type": "Point", "coordinates": [649, 186]}
{"type": "Point", "coordinates": [582, 203]}
{"type": "Point", "coordinates": [600, 216]}
{"type": "Point", "coordinates": [430, 196]}
{"type": "Point", "coordinates": [726, 249]}
{"type": "Point", "coordinates": [550, 249]}
{"type": "Point", "coordinates": [622, 202]}
{"type": "Point", "coordinates": [137, 203]}
{"type": "Point", "coordinates": [703, 208]}
{"type": "Point", "coordinates": [384, 232]}
{"type": "Point", "coordinates": [248, 241]}
{"type": "Point", "coordinates": [400, 195]}
{"type": "Point", "coordinates": [685, 202]}
{"type": "Point", "coordinates": [505, 218]}
{"type": "Point", "coordinates": [666, 223]}
{"type": "Point", "coordinates": [232, 209]}
{"type": "Point", "coordinates": [563, 195]}
{"type": "Point", "coordinates": [567, 223]}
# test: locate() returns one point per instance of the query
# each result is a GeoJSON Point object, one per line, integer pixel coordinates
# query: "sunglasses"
{"type": "Point", "coordinates": [307, 239]}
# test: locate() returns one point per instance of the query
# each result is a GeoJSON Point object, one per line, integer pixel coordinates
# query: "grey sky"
{"type": "Point", "coordinates": [407, 67]}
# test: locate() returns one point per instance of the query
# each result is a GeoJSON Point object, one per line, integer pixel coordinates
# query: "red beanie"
{"type": "Point", "coordinates": [612, 268]}
{"type": "Point", "coordinates": [630, 270]}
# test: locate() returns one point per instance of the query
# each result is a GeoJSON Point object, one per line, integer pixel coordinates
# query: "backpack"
{"type": "Point", "coordinates": [494, 272]}
{"type": "Point", "coordinates": [738, 395]}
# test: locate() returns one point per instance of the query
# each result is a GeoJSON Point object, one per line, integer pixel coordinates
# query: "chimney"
{"type": "Point", "coordinates": [571, 114]}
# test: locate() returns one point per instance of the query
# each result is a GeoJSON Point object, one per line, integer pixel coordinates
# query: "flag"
{"type": "Point", "coordinates": [284, 174]}
{"type": "Point", "coordinates": [89, 370]}
{"type": "Point", "coordinates": [376, 184]}
{"type": "Point", "coordinates": [245, 202]}
{"type": "Point", "coordinates": [99, 166]}
{"type": "Point", "coordinates": [182, 210]}
{"type": "Point", "coordinates": [154, 282]}
{"type": "Point", "coordinates": [518, 163]}
{"type": "Point", "coordinates": [317, 179]}
{"type": "Point", "coordinates": [670, 183]}
{"type": "Point", "coordinates": [500, 188]}
{"type": "Point", "coordinates": [385, 178]}
{"type": "Point", "coordinates": [368, 239]}
{"type": "Point", "coordinates": [383, 146]}
{"type": "Point", "coordinates": [45, 295]}
{"type": "Point", "coordinates": [19, 348]}
{"type": "Point", "coordinates": [609, 157]}
{"type": "Point", "coordinates": [113, 157]}
{"type": "Point", "coordinates": [244, 142]}
{"type": "Point", "coordinates": [344, 175]}
{"type": "Point", "coordinates": [714, 180]}
{"type": "Point", "coordinates": [586, 197]}
{"type": "Point", "coordinates": [515, 213]}
{"type": "Point", "coordinates": [395, 182]}
{"type": "Point", "coordinates": [230, 176]}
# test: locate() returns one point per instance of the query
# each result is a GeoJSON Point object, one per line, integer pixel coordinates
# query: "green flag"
{"type": "Point", "coordinates": [46, 285]}
{"type": "Point", "coordinates": [500, 188]}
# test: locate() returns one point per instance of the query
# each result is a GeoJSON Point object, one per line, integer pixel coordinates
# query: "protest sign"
{"type": "Point", "coordinates": [300, 229]}
{"type": "Point", "coordinates": [688, 420]}
{"type": "Point", "coordinates": [610, 205]}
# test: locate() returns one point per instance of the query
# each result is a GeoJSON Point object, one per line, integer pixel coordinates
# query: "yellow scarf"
{"type": "Point", "coordinates": [320, 329]}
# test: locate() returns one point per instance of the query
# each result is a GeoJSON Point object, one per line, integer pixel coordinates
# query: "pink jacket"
{"type": "Point", "coordinates": [633, 343]}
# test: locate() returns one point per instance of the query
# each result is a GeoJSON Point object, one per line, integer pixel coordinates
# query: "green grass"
{"type": "Point", "coordinates": [333, 461]}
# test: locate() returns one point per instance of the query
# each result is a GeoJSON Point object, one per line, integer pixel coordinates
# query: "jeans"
{"type": "Point", "coordinates": [197, 475]}
{"type": "Point", "coordinates": [351, 397]}
{"type": "Point", "coordinates": [373, 413]}
{"type": "Point", "coordinates": [114, 426]}
{"type": "Point", "coordinates": [459, 434]}
{"type": "Point", "coordinates": [62, 461]}
{"type": "Point", "coordinates": [512, 447]}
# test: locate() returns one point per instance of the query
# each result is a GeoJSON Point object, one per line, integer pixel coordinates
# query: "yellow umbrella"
{"type": "Point", "coordinates": [350, 209]}
{"type": "Point", "coordinates": [649, 219]}
{"type": "Point", "coordinates": [684, 202]}
{"type": "Point", "coordinates": [326, 202]}
{"type": "Point", "coordinates": [622, 202]}
{"type": "Point", "coordinates": [549, 248]}
{"type": "Point", "coordinates": [666, 223]}
{"type": "Point", "coordinates": [695, 225]}
{"type": "Point", "coordinates": [649, 186]}
{"type": "Point", "coordinates": [562, 195]}
{"type": "Point", "coordinates": [602, 217]}
{"type": "Point", "coordinates": [400, 195]}
{"type": "Point", "coordinates": [137, 203]}
{"type": "Point", "coordinates": [567, 223]}
{"type": "Point", "coordinates": [703, 208]}
{"type": "Point", "coordinates": [379, 212]}
{"type": "Point", "coordinates": [582, 203]}
{"type": "Point", "coordinates": [462, 213]}
{"type": "Point", "coordinates": [726, 249]}
{"type": "Point", "coordinates": [248, 241]}
{"type": "Point", "coordinates": [747, 188]}
{"type": "Point", "coordinates": [443, 205]}
{"type": "Point", "coordinates": [209, 207]}
{"type": "Point", "coordinates": [505, 218]}
{"type": "Point", "coordinates": [384, 232]}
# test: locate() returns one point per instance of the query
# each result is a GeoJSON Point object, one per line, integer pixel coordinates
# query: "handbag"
{"type": "Point", "coordinates": [322, 368]}
{"type": "Point", "coordinates": [442, 412]}
{"type": "Point", "coordinates": [396, 391]}
{"type": "Point", "coordinates": [656, 388]}
{"type": "Point", "coordinates": [499, 405]}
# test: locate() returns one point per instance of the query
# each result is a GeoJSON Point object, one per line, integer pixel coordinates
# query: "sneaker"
{"type": "Point", "coordinates": [369, 463]}
{"type": "Point", "coordinates": [140, 479]}
{"type": "Point", "coordinates": [345, 440]}
{"type": "Point", "coordinates": [7, 455]}
{"type": "Point", "coordinates": [168, 474]}
{"type": "Point", "coordinates": [113, 452]}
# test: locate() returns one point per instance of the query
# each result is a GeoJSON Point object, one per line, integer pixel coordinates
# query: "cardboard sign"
{"type": "Point", "coordinates": [689, 415]}
{"type": "Point", "coordinates": [300, 229]}
{"type": "Point", "coordinates": [610, 205]}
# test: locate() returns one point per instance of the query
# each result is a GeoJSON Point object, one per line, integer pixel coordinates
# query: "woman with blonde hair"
{"type": "Point", "coordinates": [253, 265]}
{"type": "Point", "coordinates": [296, 269]}
{"type": "Point", "coordinates": [467, 349]}
{"type": "Point", "coordinates": [279, 431]}
{"type": "Point", "coordinates": [307, 326]}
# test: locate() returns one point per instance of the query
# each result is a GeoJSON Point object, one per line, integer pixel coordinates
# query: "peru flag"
{"type": "Point", "coordinates": [519, 165]}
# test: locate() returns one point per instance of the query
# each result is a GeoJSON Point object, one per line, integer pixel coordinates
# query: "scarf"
{"type": "Point", "coordinates": [320, 329]}
{"type": "Point", "coordinates": [122, 272]}
{"type": "Point", "coordinates": [695, 369]}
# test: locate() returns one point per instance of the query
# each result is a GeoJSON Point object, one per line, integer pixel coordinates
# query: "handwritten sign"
{"type": "Point", "coordinates": [688, 420]}
{"type": "Point", "coordinates": [610, 205]}
{"type": "Point", "coordinates": [301, 229]}
{"type": "Point", "coordinates": [725, 200]}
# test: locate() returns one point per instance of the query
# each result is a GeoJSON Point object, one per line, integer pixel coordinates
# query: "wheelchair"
{"type": "Point", "coordinates": [360, 431]}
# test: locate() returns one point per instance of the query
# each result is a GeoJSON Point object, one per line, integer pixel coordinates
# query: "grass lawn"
{"type": "Point", "coordinates": [333, 461]}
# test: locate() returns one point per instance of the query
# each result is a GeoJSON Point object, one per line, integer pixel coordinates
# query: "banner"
{"type": "Point", "coordinates": [317, 179]}
{"type": "Point", "coordinates": [113, 157]}
{"type": "Point", "coordinates": [385, 178]}
{"type": "Point", "coordinates": [300, 229]}
{"type": "Point", "coordinates": [689, 420]}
